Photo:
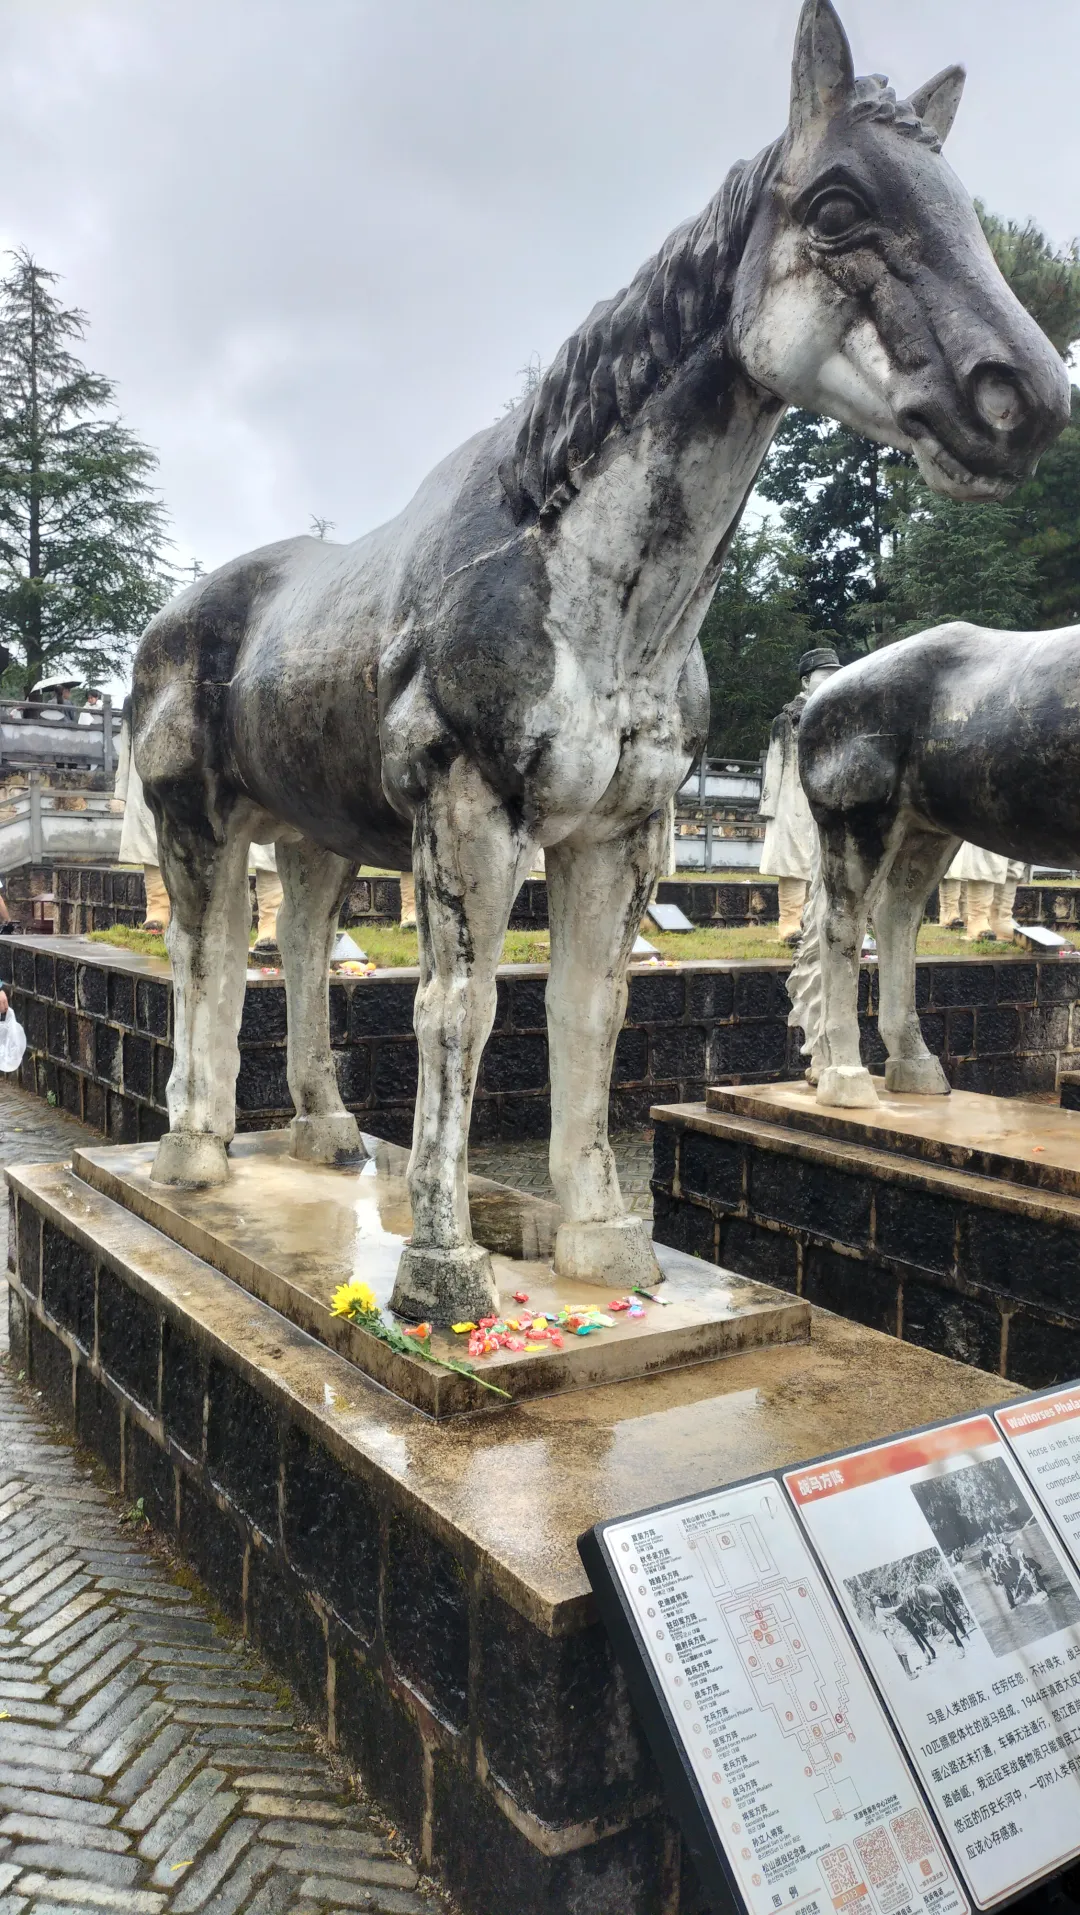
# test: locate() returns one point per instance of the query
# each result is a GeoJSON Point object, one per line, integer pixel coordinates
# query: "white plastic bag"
{"type": "Point", "coordinates": [12, 1041]}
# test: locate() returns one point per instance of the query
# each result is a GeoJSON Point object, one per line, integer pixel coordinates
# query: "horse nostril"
{"type": "Point", "coordinates": [998, 399]}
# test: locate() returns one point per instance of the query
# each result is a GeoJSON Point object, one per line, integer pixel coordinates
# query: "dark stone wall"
{"type": "Point", "coordinates": [514, 1753]}
{"type": "Point", "coordinates": [99, 1038]}
{"type": "Point", "coordinates": [965, 1272]}
{"type": "Point", "coordinates": [95, 897]}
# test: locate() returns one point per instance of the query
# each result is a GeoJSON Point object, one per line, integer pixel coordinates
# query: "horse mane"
{"type": "Point", "coordinates": [601, 377]}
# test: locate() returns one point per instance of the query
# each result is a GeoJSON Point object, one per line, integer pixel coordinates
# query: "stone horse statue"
{"type": "Point", "coordinates": [957, 733]}
{"type": "Point", "coordinates": [513, 661]}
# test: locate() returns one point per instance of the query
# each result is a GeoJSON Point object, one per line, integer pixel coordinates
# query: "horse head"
{"type": "Point", "coordinates": [866, 289]}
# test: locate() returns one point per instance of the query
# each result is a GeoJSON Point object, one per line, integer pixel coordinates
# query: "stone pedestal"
{"type": "Point", "coordinates": [292, 1232]}
{"type": "Point", "coordinates": [417, 1581]}
{"type": "Point", "coordinates": [951, 1222]}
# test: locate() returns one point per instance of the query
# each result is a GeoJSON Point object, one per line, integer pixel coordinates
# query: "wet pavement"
{"type": "Point", "coordinates": [150, 1763]}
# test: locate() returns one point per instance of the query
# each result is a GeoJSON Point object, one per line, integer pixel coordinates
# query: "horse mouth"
{"type": "Point", "coordinates": [944, 472]}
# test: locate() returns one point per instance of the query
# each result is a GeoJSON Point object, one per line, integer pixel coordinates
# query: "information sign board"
{"type": "Point", "coordinates": [787, 1776]}
{"type": "Point", "coordinates": [1043, 1433]}
{"type": "Point", "coordinates": [968, 1614]}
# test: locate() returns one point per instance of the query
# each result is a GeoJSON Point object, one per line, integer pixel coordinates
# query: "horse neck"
{"type": "Point", "coordinates": [644, 540]}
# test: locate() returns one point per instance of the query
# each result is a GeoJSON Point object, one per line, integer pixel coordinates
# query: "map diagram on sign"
{"type": "Point", "coordinates": [788, 1649]}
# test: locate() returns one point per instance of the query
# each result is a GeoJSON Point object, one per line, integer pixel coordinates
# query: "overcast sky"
{"type": "Point", "coordinates": [317, 240]}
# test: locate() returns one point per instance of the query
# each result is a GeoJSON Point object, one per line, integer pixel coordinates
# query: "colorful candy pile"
{"type": "Point", "coordinates": [534, 1332]}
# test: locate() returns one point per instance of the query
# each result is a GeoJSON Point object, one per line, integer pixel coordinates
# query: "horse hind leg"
{"type": "Point", "coordinates": [919, 862]}
{"type": "Point", "coordinates": [207, 944]}
{"type": "Point", "coordinates": [314, 884]}
{"type": "Point", "coordinates": [468, 860]}
{"type": "Point", "coordinates": [597, 895]}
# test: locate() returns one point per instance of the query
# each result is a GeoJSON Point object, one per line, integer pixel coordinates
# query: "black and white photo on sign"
{"type": "Point", "coordinates": [1011, 1576]}
{"type": "Point", "coordinates": [915, 1604]}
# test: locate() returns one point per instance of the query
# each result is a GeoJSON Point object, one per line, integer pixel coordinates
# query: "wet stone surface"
{"type": "Point", "coordinates": [149, 1762]}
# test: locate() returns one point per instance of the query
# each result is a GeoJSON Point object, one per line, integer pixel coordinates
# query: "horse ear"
{"type": "Point", "coordinates": [937, 101]}
{"type": "Point", "coordinates": [822, 72]}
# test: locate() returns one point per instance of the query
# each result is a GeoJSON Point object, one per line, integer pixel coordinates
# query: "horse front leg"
{"type": "Point", "coordinates": [207, 941]}
{"type": "Point", "coordinates": [315, 884]}
{"type": "Point", "coordinates": [468, 860]}
{"type": "Point", "coordinates": [597, 894]}
{"type": "Point", "coordinates": [919, 862]}
{"type": "Point", "coordinates": [848, 873]}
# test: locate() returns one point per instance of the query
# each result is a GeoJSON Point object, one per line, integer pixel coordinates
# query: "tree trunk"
{"type": "Point", "coordinates": [34, 642]}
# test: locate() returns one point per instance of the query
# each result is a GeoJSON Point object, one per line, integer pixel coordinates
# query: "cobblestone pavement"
{"type": "Point", "coordinates": [33, 1133]}
{"type": "Point", "coordinates": [148, 1761]}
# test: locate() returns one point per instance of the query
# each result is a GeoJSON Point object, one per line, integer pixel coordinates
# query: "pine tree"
{"type": "Point", "coordinates": [82, 531]}
{"type": "Point", "coordinates": [752, 639]}
{"type": "Point", "coordinates": [1045, 281]}
{"type": "Point", "coordinates": [840, 497]}
{"type": "Point", "coordinates": [848, 504]}
{"type": "Point", "coordinates": [962, 561]}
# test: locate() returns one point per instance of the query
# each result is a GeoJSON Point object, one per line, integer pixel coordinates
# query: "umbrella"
{"type": "Point", "coordinates": [53, 684]}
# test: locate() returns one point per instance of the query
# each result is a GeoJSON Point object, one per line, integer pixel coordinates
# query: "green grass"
{"type": "Point", "coordinates": [145, 942]}
{"type": "Point", "coordinates": [391, 948]}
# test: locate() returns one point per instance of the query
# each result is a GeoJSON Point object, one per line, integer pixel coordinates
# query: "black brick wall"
{"type": "Point", "coordinates": [954, 1272]}
{"type": "Point", "coordinates": [451, 1702]}
{"type": "Point", "coordinates": [99, 1039]}
{"type": "Point", "coordinates": [95, 897]}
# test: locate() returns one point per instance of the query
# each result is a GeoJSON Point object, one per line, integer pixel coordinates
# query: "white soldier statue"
{"type": "Point", "coordinates": [988, 884]}
{"type": "Point", "coordinates": [790, 835]}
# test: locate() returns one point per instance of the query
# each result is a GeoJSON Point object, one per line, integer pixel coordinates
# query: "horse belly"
{"type": "Point", "coordinates": [307, 750]}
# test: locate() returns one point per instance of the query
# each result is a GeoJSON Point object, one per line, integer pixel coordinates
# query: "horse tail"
{"type": "Point", "coordinates": [804, 985]}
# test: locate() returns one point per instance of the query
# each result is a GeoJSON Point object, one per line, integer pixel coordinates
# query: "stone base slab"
{"type": "Point", "coordinates": [905, 1229]}
{"type": "Point", "coordinates": [292, 1232]}
{"type": "Point", "coordinates": [418, 1583]}
{"type": "Point", "coordinates": [1018, 1142]}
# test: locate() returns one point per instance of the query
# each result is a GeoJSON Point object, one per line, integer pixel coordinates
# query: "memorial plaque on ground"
{"type": "Point", "coordinates": [791, 1788]}
{"type": "Point", "coordinates": [848, 1687]}
{"type": "Point", "coordinates": [1044, 1435]}
{"type": "Point", "coordinates": [967, 1612]}
{"type": "Point", "coordinates": [668, 917]}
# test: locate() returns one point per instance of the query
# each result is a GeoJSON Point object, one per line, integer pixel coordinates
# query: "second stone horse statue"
{"type": "Point", "coordinates": [957, 733]}
{"type": "Point", "coordinates": [513, 661]}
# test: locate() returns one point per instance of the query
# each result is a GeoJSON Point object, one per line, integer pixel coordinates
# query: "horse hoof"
{"type": "Point", "coordinates": [333, 1138]}
{"type": "Point", "coordinates": [191, 1158]}
{"type": "Point", "coordinates": [922, 1076]}
{"type": "Point", "coordinates": [445, 1286]}
{"type": "Point", "coordinates": [618, 1254]}
{"type": "Point", "coordinates": [847, 1087]}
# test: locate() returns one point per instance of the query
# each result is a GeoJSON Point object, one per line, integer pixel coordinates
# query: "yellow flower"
{"type": "Point", "coordinates": [354, 1300]}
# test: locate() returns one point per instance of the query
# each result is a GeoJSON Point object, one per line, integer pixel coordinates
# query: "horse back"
{"type": "Point", "coordinates": [975, 731]}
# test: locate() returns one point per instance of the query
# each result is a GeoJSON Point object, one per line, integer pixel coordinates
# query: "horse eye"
{"type": "Point", "coordinates": [835, 215]}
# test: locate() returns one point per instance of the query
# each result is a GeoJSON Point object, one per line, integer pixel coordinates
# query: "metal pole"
{"type": "Point", "coordinates": [37, 842]}
{"type": "Point", "coordinates": [708, 843]}
{"type": "Point", "coordinates": [703, 776]}
{"type": "Point", "coordinates": [108, 756]}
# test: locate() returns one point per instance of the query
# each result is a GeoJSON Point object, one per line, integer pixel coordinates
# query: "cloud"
{"type": "Point", "coordinates": [318, 241]}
